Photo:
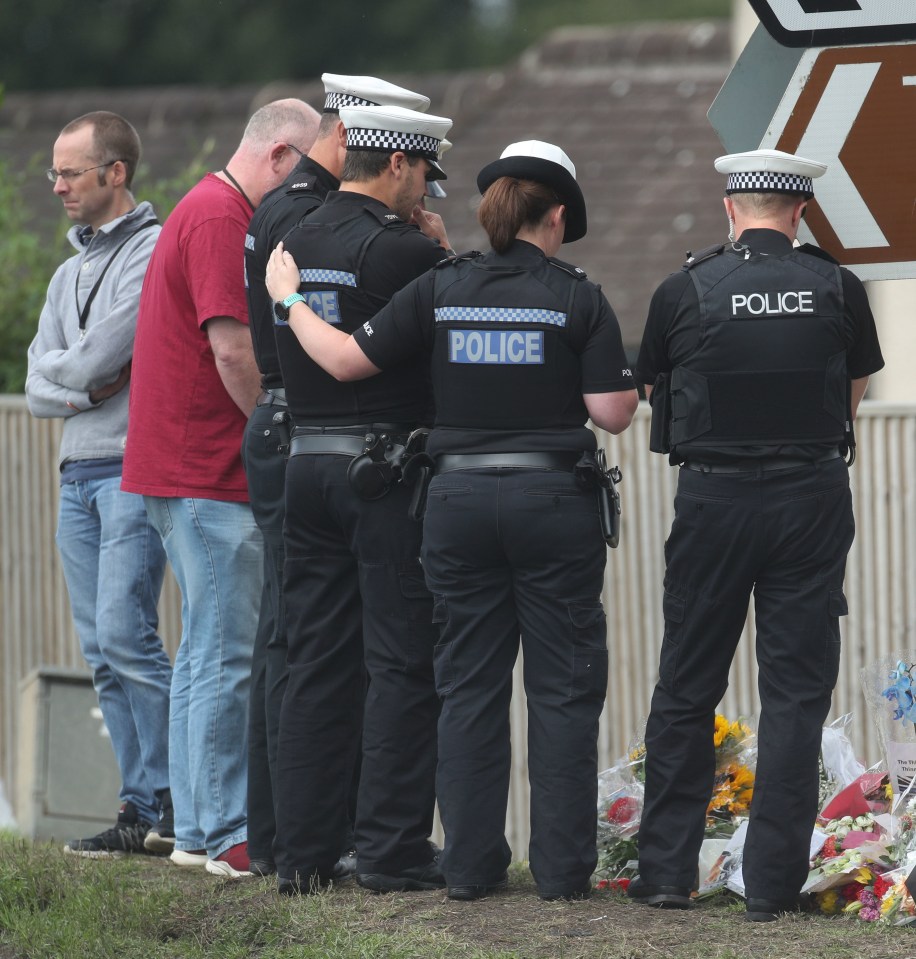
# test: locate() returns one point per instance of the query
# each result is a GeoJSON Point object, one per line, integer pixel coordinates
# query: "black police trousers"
{"type": "Point", "coordinates": [510, 552]}
{"type": "Point", "coordinates": [357, 608]}
{"type": "Point", "coordinates": [265, 470]}
{"type": "Point", "coordinates": [781, 536]}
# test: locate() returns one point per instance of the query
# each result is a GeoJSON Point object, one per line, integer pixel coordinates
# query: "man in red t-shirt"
{"type": "Point", "coordinates": [194, 383]}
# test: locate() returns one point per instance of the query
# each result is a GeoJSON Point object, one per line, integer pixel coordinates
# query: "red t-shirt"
{"type": "Point", "coordinates": [184, 431]}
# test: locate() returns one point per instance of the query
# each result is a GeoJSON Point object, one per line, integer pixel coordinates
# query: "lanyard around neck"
{"type": "Point", "coordinates": [238, 187]}
{"type": "Point", "coordinates": [84, 312]}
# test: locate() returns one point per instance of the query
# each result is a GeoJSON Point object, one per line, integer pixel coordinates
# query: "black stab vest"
{"type": "Point", "coordinates": [507, 343]}
{"type": "Point", "coordinates": [332, 255]}
{"type": "Point", "coordinates": [769, 367]}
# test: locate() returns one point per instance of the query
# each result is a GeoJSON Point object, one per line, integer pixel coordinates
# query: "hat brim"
{"type": "Point", "coordinates": [435, 171]}
{"type": "Point", "coordinates": [550, 174]}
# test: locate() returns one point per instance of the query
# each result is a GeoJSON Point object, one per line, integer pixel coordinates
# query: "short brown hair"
{"type": "Point", "coordinates": [113, 138]}
{"type": "Point", "coordinates": [362, 165]}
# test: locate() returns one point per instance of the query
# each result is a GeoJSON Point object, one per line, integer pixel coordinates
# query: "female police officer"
{"type": "Point", "coordinates": [524, 349]}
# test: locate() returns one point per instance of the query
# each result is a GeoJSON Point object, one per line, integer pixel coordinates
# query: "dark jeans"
{"type": "Point", "coordinates": [265, 469]}
{"type": "Point", "coordinates": [357, 607]}
{"type": "Point", "coordinates": [781, 536]}
{"type": "Point", "coordinates": [509, 552]}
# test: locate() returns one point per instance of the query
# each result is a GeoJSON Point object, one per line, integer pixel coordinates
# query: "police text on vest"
{"type": "Point", "coordinates": [773, 304]}
{"type": "Point", "coordinates": [496, 346]}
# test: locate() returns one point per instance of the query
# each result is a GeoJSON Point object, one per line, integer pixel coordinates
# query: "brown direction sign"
{"type": "Point", "coordinates": [853, 108]}
{"type": "Point", "coordinates": [857, 113]}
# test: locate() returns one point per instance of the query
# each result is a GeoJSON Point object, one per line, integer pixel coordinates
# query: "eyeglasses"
{"type": "Point", "coordinates": [296, 150]}
{"type": "Point", "coordinates": [53, 174]}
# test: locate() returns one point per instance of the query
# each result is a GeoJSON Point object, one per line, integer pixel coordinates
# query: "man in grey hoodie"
{"type": "Point", "coordinates": [113, 560]}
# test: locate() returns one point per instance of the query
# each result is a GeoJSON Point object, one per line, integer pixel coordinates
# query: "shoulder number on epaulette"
{"type": "Point", "coordinates": [574, 271]}
{"type": "Point", "coordinates": [300, 186]}
{"type": "Point", "coordinates": [454, 260]}
{"type": "Point", "coordinates": [694, 258]}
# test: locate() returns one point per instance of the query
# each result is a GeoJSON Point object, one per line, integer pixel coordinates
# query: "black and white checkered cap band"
{"type": "Point", "coordinates": [762, 182]}
{"type": "Point", "coordinates": [388, 141]}
{"type": "Point", "coordinates": [334, 101]}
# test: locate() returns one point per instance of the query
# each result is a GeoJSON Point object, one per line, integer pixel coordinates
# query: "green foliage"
{"type": "Point", "coordinates": [28, 262]}
{"type": "Point", "coordinates": [55, 44]}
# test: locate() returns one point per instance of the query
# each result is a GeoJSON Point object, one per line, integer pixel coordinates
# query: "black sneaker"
{"type": "Point", "coordinates": [161, 836]}
{"type": "Point", "coordinates": [126, 836]}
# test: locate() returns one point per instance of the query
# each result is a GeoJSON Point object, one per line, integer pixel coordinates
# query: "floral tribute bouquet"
{"type": "Point", "coordinates": [620, 799]}
{"type": "Point", "coordinates": [866, 858]}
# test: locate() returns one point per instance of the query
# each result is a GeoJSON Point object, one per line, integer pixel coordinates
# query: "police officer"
{"type": "Point", "coordinates": [353, 584]}
{"type": "Point", "coordinates": [524, 349]}
{"type": "Point", "coordinates": [266, 441]}
{"type": "Point", "coordinates": [756, 355]}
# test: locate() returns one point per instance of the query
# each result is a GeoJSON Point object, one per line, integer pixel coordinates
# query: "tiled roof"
{"type": "Point", "coordinates": [627, 104]}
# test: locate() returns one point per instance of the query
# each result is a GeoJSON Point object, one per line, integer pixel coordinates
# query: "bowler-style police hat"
{"type": "Point", "coordinates": [342, 91]}
{"type": "Point", "coordinates": [391, 129]}
{"type": "Point", "coordinates": [543, 163]}
{"type": "Point", "coordinates": [769, 171]}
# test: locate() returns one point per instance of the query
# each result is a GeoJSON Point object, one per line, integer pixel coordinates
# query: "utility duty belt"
{"type": "Point", "coordinates": [380, 453]}
{"type": "Point", "coordinates": [590, 470]}
{"type": "Point", "coordinates": [760, 466]}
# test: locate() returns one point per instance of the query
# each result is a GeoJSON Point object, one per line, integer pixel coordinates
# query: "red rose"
{"type": "Point", "coordinates": [623, 811]}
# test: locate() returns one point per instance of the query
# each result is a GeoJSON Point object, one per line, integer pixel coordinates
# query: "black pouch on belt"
{"type": "Point", "coordinates": [592, 469]}
{"type": "Point", "coordinates": [282, 422]}
{"type": "Point", "coordinates": [372, 474]}
{"type": "Point", "coordinates": [417, 469]}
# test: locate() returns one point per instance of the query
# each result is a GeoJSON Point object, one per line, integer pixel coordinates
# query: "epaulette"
{"type": "Point", "coordinates": [694, 258]}
{"type": "Point", "coordinates": [813, 250]}
{"type": "Point", "coordinates": [575, 271]}
{"type": "Point", "coordinates": [384, 215]}
{"type": "Point", "coordinates": [304, 185]}
{"type": "Point", "coordinates": [453, 260]}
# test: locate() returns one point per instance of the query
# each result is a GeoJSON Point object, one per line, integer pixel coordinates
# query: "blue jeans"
{"type": "Point", "coordinates": [113, 563]}
{"type": "Point", "coordinates": [216, 551]}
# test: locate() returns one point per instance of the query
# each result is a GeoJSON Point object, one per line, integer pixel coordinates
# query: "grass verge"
{"type": "Point", "coordinates": [54, 906]}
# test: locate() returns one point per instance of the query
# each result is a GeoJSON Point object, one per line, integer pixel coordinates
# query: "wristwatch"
{"type": "Point", "coordinates": [281, 307]}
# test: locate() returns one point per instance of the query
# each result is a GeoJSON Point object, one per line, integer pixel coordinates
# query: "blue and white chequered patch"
{"type": "Point", "coordinates": [249, 241]}
{"type": "Point", "coordinates": [498, 314]}
{"type": "Point", "coordinates": [327, 276]}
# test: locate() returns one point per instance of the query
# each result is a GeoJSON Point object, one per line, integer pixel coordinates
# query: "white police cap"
{"type": "Point", "coordinates": [769, 171]}
{"type": "Point", "coordinates": [386, 129]}
{"type": "Point", "coordinates": [543, 163]}
{"type": "Point", "coordinates": [342, 91]}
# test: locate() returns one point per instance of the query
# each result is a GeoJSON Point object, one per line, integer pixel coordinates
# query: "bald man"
{"type": "Point", "coordinates": [195, 382]}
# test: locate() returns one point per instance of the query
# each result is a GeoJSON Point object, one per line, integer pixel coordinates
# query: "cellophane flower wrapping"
{"type": "Point", "coordinates": [890, 692]}
{"type": "Point", "coordinates": [620, 799]}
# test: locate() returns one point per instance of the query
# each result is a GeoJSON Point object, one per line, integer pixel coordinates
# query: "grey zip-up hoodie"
{"type": "Point", "coordinates": [63, 367]}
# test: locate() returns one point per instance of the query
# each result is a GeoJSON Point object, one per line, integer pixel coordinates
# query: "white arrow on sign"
{"type": "Point", "coordinates": [825, 137]}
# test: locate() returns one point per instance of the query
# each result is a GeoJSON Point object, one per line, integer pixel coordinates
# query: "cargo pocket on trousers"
{"type": "Point", "coordinates": [589, 663]}
{"type": "Point", "coordinates": [417, 610]}
{"type": "Point", "coordinates": [836, 607]}
{"type": "Point", "coordinates": [675, 612]}
{"type": "Point", "coordinates": [442, 653]}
